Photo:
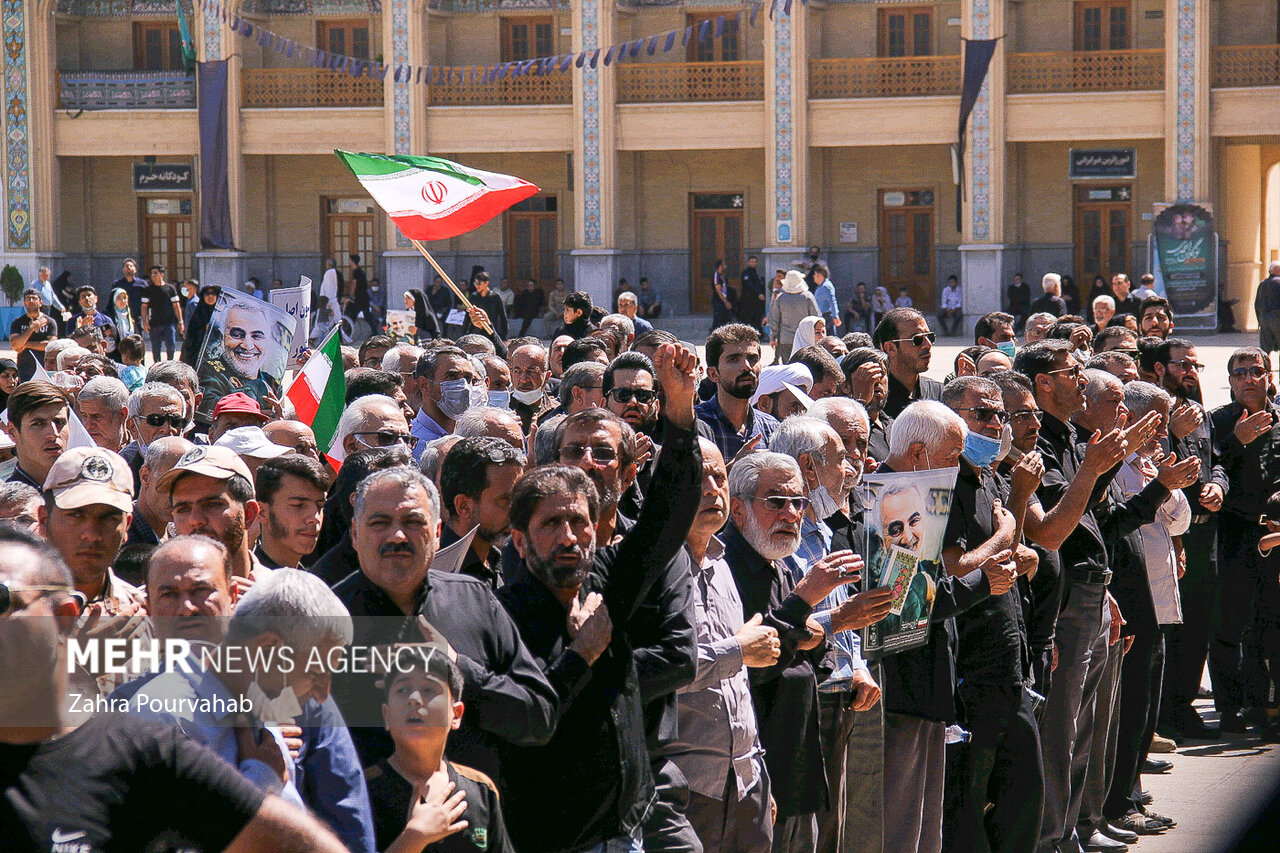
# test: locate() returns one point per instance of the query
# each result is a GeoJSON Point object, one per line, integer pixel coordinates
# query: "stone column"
{"type": "Point", "coordinates": [595, 159]}
{"type": "Point", "coordinates": [30, 189]}
{"type": "Point", "coordinates": [226, 267]}
{"type": "Point", "coordinates": [786, 134]}
{"type": "Point", "coordinates": [404, 39]}
{"type": "Point", "coordinates": [1186, 110]}
{"type": "Point", "coordinates": [982, 241]}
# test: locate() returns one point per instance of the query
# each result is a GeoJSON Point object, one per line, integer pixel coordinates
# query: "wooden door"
{"type": "Point", "coordinates": [348, 38]}
{"type": "Point", "coordinates": [348, 229]}
{"type": "Point", "coordinates": [168, 237]}
{"type": "Point", "coordinates": [1102, 25]}
{"type": "Point", "coordinates": [1103, 231]}
{"type": "Point", "coordinates": [532, 243]}
{"type": "Point", "coordinates": [906, 245]}
{"type": "Point", "coordinates": [715, 226]}
{"type": "Point", "coordinates": [905, 31]}
{"type": "Point", "coordinates": [157, 47]}
{"type": "Point", "coordinates": [724, 49]}
{"type": "Point", "coordinates": [527, 37]}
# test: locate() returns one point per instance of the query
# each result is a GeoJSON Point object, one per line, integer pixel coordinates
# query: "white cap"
{"type": "Point", "coordinates": [251, 442]}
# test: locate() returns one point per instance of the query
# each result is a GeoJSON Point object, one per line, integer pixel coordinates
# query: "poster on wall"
{"type": "Point", "coordinates": [906, 518]}
{"type": "Point", "coordinates": [246, 349]}
{"type": "Point", "coordinates": [1184, 261]}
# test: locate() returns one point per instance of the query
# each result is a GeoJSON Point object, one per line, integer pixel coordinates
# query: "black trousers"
{"type": "Point", "coordinates": [1001, 765]}
{"type": "Point", "coordinates": [1233, 609]}
{"type": "Point", "coordinates": [667, 828]}
{"type": "Point", "coordinates": [1187, 645]}
{"type": "Point", "coordinates": [1140, 677]}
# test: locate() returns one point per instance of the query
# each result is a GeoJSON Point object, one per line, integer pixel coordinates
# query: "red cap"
{"type": "Point", "coordinates": [239, 403]}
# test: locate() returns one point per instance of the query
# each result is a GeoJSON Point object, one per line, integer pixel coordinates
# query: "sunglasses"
{"type": "Point", "coordinates": [1074, 370]}
{"type": "Point", "coordinates": [1254, 372]}
{"type": "Point", "coordinates": [7, 589]}
{"type": "Point", "coordinates": [915, 340]}
{"type": "Point", "coordinates": [383, 439]}
{"type": "Point", "coordinates": [777, 503]}
{"type": "Point", "coordinates": [577, 452]}
{"type": "Point", "coordinates": [640, 395]}
{"type": "Point", "coordinates": [1189, 365]}
{"type": "Point", "coordinates": [158, 420]}
{"type": "Point", "coordinates": [984, 413]}
{"type": "Point", "coordinates": [1026, 414]}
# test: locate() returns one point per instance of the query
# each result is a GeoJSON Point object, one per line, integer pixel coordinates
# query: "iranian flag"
{"type": "Point", "coordinates": [318, 395]}
{"type": "Point", "coordinates": [433, 199]}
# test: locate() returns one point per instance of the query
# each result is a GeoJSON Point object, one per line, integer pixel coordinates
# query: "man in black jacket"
{"type": "Point", "coordinates": [491, 304]}
{"type": "Point", "coordinates": [576, 605]}
{"type": "Point", "coordinates": [394, 598]}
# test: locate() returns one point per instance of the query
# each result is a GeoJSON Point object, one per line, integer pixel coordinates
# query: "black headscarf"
{"type": "Point", "coordinates": [6, 364]}
{"type": "Point", "coordinates": [423, 317]}
{"type": "Point", "coordinates": [198, 326]}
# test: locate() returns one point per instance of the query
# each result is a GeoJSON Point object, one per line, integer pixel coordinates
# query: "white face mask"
{"type": "Point", "coordinates": [281, 709]}
{"type": "Point", "coordinates": [824, 505]}
{"type": "Point", "coordinates": [1006, 443]}
{"type": "Point", "coordinates": [527, 397]}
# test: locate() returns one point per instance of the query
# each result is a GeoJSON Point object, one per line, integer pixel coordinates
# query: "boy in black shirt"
{"type": "Point", "coordinates": [420, 800]}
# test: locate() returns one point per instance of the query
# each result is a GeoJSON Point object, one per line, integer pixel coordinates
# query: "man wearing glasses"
{"type": "Point", "coordinates": [1177, 368]}
{"type": "Point", "coordinates": [156, 410]}
{"type": "Point", "coordinates": [903, 334]}
{"type": "Point", "coordinates": [1247, 444]}
{"type": "Point", "coordinates": [371, 422]}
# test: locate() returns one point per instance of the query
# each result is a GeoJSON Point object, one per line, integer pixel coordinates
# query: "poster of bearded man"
{"type": "Point", "coordinates": [246, 349]}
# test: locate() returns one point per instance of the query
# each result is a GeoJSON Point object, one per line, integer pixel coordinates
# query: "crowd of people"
{"type": "Point", "coordinates": [587, 593]}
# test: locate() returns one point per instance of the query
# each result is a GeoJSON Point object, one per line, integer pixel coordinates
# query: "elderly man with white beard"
{"type": "Point", "coordinates": [768, 500]}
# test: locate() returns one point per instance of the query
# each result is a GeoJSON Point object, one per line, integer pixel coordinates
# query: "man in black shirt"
{"type": "Point", "coordinates": [30, 332]}
{"type": "Point", "coordinates": [491, 304]}
{"type": "Point", "coordinates": [161, 313]}
{"type": "Point", "coordinates": [903, 334]}
{"type": "Point", "coordinates": [577, 606]}
{"type": "Point", "coordinates": [1248, 445]}
{"type": "Point", "coordinates": [358, 294]}
{"type": "Point", "coordinates": [114, 782]}
{"type": "Point", "coordinates": [865, 371]}
{"type": "Point", "coordinates": [476, 479]}
{"type": "Point", "coordinates": [1126, 302]}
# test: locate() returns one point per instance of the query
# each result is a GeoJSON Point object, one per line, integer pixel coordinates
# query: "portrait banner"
{"type": "Point", "coordinates": [297, 301]}
{"type": "Point", "coordinates": [399, 323]}
{"type": "Point", "coordinates": [906, 517]}
{"type": "Point", "coordinates": [246, 349]}
{"type": "Point", "coordinates": [1185, 264]}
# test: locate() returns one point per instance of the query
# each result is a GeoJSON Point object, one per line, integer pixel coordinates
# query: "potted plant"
{"type": "Point", "coordinates": [12, 284]}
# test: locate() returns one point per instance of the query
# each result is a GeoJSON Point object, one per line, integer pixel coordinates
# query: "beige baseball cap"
{"type": "Point", "coordinates": [84, 476]}
{"type": "Point", "coordinates": [220, 463]}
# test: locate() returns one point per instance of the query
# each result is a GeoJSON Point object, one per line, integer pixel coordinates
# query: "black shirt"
{"type": "Point", "coordinates": [1129, 305]}
{"type": "Point", "coordinates": [159, 300]}
{"type": "Point", "coordinates": [1084, 549]}
{"type": "Point", "coordinates": [900, 396]}
{"type": "Point", "coordinates": [29, 358]}
{"type": "Point", "coordinates": [491, 304]}
{"type": "Point", "coordinates": [878, 440]}
{"type": "Point", "coordinates": [1048, 303]}
{"type": "Point", "coordinates": [120, 783]}
{"type": "Point", "coordinates": [391, 798]}
{"type": "Point", "coordinates": [140, 532]}
{"type": "Point", "coordinates": [488, 570]}
{"type": "Point", "coordinates": [1251, 468]}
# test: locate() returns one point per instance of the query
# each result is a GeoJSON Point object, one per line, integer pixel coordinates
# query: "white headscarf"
{"type": "Point", "coordinates": [776, 377]}
{"type": "Point", "coordinates": [805, 335]}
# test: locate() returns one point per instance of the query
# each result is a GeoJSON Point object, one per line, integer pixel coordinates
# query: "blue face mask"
{"type": "Point", "coordinates": [500, 399]}
{"type": "Point", "coordinates": [1007, 347]}
{"type": "Point", "coordinates": [980, 450]}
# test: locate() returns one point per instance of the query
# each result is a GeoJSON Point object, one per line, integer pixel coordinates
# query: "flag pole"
{"type": "Point", "coordinates": [466, 303]}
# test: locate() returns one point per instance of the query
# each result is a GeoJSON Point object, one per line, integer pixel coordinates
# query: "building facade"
{"type": "Point", "coordinates": [830, 125]}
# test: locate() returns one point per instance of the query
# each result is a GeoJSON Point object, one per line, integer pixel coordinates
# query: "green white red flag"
{"type": "Point", "coordinates": [433, 199]}
{"type": "Point", "coordinates": [318, 395]}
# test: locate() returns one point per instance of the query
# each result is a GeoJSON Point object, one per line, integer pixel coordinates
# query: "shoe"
{"type": "Point", "coordinates": [1144, 798]}
{"type": "Point", "coordinates": [1163, 744]}
{"type": "Point", "coordinates": [1112, 831]}
{"type": "Point", "coordinates": [1167, 822]}
{"type": "Point", "coordinates": [1099, 843]}
{"type": "Point", "coordinates": [1233, 723]}
{"type": "Point", "coordinates": [1156, 765]}
{"type": "Point", "coordinates": [1140, 824]}
{"type": "Point", "coordinates": [1186, 722]}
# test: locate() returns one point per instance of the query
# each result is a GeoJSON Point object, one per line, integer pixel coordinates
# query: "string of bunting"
{"type": "Point", "coordinates": [703, 32]}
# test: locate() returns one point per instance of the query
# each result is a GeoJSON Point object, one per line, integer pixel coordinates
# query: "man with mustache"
{"type": "Point", "coordinates": [394, 598]}
{"type": "Point", "coordinates": [866, 376]}
{"type": "Point", "coordinates": [476, 479]}
{"type": "Point", "coordinates": [728, 418]}
{"type": "Point", "coordinates": [151, 513]}
{"type": "Point", "coordinates": [579, 602]}
{"type": "Point", "coordinates": [211, 492]}
{"type": "Point", "coordinates": [291, 492]}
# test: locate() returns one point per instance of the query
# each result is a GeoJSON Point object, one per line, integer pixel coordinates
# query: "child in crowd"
{"type": "Point", "coordinates": [132, 350]}
{"type": "Point", "coordinates": [420, 800]}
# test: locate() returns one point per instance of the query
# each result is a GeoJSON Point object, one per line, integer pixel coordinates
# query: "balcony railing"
{"type": "Point", "coordinates": [308, 87]}
{"type": "Point", "coordinates": [1246, 65]}
{"type": "Point", "coordinates": [555, 87]}
{"type": "Point", "coordinates": [665, 82]}
{"type": "Point", "coordinates": [1086, 71]}
{"type": "Point", "coordinates": [884, 77]}
{"type": "Point", "coordinates": [126, 90]}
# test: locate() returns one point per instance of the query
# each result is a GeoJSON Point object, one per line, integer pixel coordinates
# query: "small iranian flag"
{"type": "Point", "coordinates": [433, 199]}
{"type": "Point", "coordinates": [318, 395]}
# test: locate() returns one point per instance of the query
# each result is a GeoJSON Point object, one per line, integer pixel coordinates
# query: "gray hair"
{"type": "Point", "coordinates": [67, 353]}
{"type": "Point", "coordinates": [1141, 397]}
{"type": "Point", "coordinates": [294, 604]}
{"type": "Point", "coordinates": [56, 347]}
{"type": "Point", "coordinates": [826, 407]}
{"type": "Point", "coordinates": [433, 454]}
{"type": "Point", "coordinates": [1051, 280]}
{"type": "Point", "coordinates": [744, 478]}
{"type": "Point", "coordinates": [798, 435]}
{"type": "Point", "coordinates": [544, 440]}
{"type": "Point", "coordinates": [163, 453]}
{"type": "Point", "coordinates": [1105, 300]}
{"type": "Point", "coordinates": [44, 269]}
{"type": "Point", "coordinates": [1099, 380]}
{"type": "Point", "coordinates": [924, 422]}
{"type": "Point", "coordinates": [356, 416]}
{"type": "Point", "coordinates": [474, 422]}
{"type": "Point", "coordinates": [953, 392]}
{"type": "Point", "coordinates": [391, 358]}
{"type": "Point", "coordinates": [107, 389]}
{"type": "Point", "coordinates": [16, 494]}
{"type": "Point", "coordinates": [177, 374]}
{"type": "Point", "coordinates": [1040, 316]}
{"type": "Point", "coordinates": [582, 375]}
{"type": "Point", "coordinates": [154, 391]}
{"type": "Point", "coordinates": [622, 321]}
{"type": "Point", "coordinates": [403, 476]}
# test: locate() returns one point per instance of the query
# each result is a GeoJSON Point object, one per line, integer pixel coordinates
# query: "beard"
{"type": "Point", "coordinates": [743, 386]}
{"type": "Point", "coordinates": [763, 541]}
{"type": "Point", "coordinates": [609, 497]}
{"type": "Point", "coordinates": [557, 575]}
